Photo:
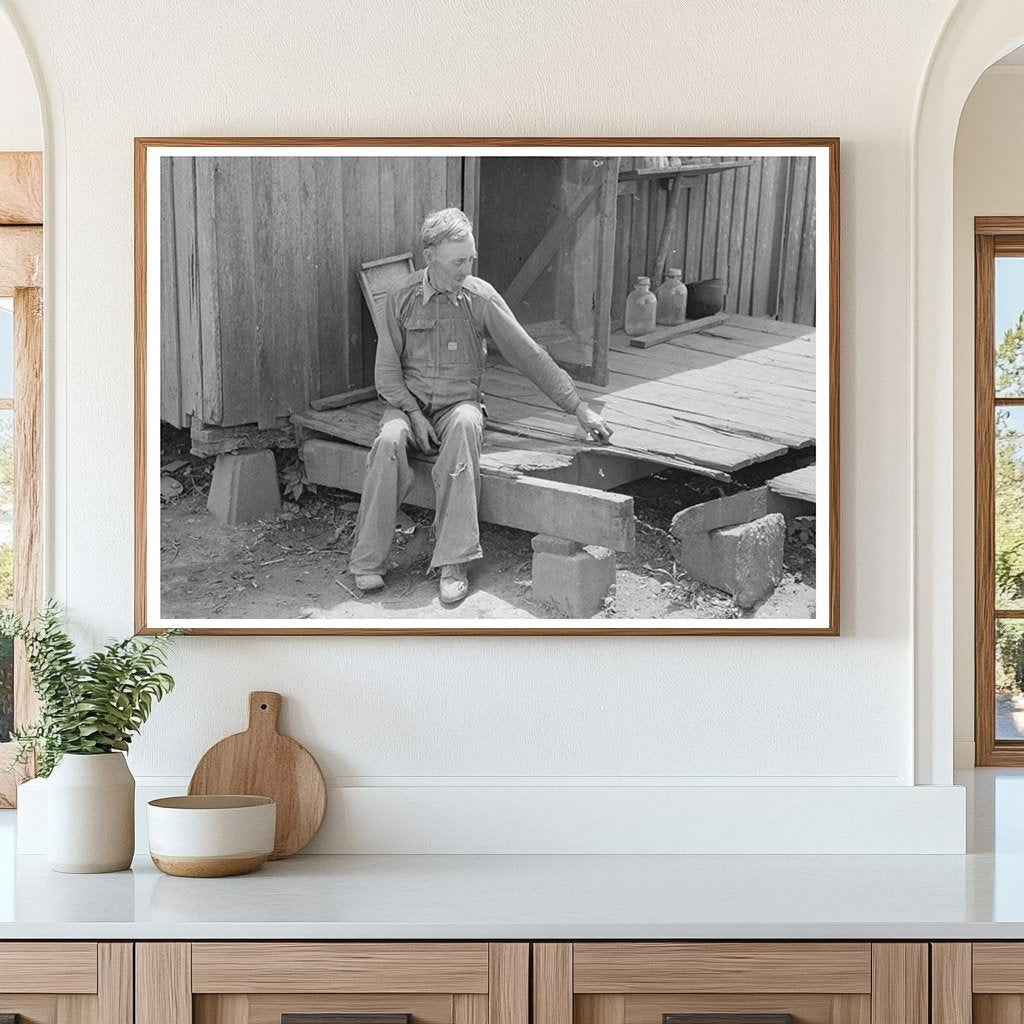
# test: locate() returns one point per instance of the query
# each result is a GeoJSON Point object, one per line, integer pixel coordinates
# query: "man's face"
{"type": "Point", "coordinates": [450, 262]}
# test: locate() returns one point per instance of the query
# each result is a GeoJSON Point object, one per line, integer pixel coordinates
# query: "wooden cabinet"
{"type": "Point", "coordinates": [979, 982]}
{"type": "Point", "coordinates": [305, 982]}
{"type": "Point", "coordinates": [66, 982]}
{"type": "Point", "coordinates": [758, 982]}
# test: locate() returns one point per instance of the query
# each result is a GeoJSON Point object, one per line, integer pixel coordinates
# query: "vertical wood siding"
{"type": "Point", "coordinates": [753, 226]}
{"type": "Point", "coordinates": [260, 307]}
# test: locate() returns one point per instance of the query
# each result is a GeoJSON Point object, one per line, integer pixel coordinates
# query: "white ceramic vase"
{"type": "Point", "coordinates": [90, 814]}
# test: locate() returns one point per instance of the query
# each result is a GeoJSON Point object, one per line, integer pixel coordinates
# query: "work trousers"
{"type": "Point", "coordinates": [389, 480]}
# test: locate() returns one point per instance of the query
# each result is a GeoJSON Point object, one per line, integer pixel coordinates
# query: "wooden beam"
{"type": "Point", "coordinates": [580, 514]}
{"type": "Point", "coordinates": [605, 272]}
{"type": "Point", "coordinates": [21, 188]}
{"type": "Point", "coordinates": [346, 398]}
{"type": "Point", "coordinates": [548, 246]}
{"type": "Point", "coordinates": [662, 334]}
{"type": "Point", "coordinates": [21, 259]}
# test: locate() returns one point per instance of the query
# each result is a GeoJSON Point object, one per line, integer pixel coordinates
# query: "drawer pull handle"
{"type": "Point", "coordinates": [340, 1018]}
{"type": "Point", "coordinates": [727, 1018]}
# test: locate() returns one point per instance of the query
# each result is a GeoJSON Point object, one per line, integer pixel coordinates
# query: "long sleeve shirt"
{"type": "Point", "coordinates": [434, 351]}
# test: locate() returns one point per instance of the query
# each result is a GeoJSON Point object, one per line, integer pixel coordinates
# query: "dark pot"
{"type": "Point", "coordinates": [705, 298]}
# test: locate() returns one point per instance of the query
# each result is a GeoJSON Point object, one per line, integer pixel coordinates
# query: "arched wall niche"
{"type": "Point", "coordinates": [976, 34]}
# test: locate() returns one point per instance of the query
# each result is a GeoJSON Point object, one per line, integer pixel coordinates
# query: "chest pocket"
{"type": "Point", "coordinates": [420, 341]}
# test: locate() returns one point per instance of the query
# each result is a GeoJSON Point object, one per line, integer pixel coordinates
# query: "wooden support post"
{"type": "Point", "coordinates": [667, 229]}
{"type": "Point", "coordinates": [579, 514]}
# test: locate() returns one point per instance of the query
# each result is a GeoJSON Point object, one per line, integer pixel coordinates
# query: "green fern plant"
{"type": "Point", "coordinates": [90, 705]}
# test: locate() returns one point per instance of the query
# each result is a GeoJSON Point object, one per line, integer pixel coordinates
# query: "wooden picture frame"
{"type": "Point", "coordinates": [244, 245]}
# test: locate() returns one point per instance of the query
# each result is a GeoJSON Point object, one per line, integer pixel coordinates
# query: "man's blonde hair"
{"type": "Point", "coordinates": [450, 225]}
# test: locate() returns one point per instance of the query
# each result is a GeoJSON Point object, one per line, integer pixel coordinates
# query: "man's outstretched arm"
{"type": "Point", "coordinates": [531, 360]}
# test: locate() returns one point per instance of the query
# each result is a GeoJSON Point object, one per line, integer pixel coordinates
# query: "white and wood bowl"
{"type": "Point", "coordinates": [211, 836]}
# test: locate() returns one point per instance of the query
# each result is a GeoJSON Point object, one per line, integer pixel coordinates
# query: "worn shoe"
{"type": "Point", "coordinates": [454, 584]}
{"type": "Point", "coordinates": [370, 581]}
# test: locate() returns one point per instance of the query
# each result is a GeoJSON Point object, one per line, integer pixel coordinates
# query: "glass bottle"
{"type": "Point", "coordinates": [641, 309]}
{"type": "Point", "coordinates": [672, 298]}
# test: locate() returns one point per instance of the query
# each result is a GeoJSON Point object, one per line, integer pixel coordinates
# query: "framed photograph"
{"type": "Point", "coordinates": [503, 386]}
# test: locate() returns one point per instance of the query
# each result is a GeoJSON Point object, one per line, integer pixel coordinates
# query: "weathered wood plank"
{"type": "Point", "coordinates": [170, 353]}
{"type": "Point", "coordinates": [771, 326]}
{"type": "Point", "coordinates": [769, 216]}
{"type": "Point", "coordinates": [672, 358]}
{"type": "Point", "coordinates": [806, 281]}
{"type": "Point", "coordinates": [729, 411]}
{"type": "Point", "coordinates": [796, 365]}
{"type": "Point", "coordinates": [715, 377]}
{"type": "Point", "coordinates": [21, 188]}
{"type": "Point", "coordinates": [581, 514]}
{"type": "Point", "coordinates": [762, 341]}
{"type": "Point", "coordinates": [339, 401]}
{"type": "Point", "coordinates": [21, 259]}
{"type": "Point", "coordinates": [746, 263]}
{"type": "Point", "coordinates": [800, 484]}
{"type": "Point", "coordinates": [196, 262]}
{"type": "Point", "coordinates": [662, 334]}
{"type": "Point", "coordinates": [505, 393]}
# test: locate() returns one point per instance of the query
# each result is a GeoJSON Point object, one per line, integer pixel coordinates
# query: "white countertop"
{"type": "Point", "coordinates": [976, 896]}
{"type": "Point", "coordinates": [517, 897]}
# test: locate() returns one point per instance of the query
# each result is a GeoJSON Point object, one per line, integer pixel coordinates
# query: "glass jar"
{"type": "Point", "coordinates": [672, 298]}
{"type": "Point", "coordinates": [641, 309]}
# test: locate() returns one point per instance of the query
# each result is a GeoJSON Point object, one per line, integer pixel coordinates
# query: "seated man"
{"type": "Point", "coordinates": [428, 372]}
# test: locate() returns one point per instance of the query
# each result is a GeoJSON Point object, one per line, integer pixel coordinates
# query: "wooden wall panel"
{"type": "Point", "coordinates": [261, 309]}
{"type": "Point", "coordinates": [753, 226]}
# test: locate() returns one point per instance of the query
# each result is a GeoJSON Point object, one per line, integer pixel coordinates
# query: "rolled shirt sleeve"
{"type": "Point", "coordinates": [387, 370]}
{"type": "Point", "coordinates": [527, 356]}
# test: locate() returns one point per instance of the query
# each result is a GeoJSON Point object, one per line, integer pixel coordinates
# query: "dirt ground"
{"type": "Point", "coordinates": [294, 564]}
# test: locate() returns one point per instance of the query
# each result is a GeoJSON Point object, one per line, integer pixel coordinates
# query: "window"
{"type": "Point", "coordinates": [999, 490]}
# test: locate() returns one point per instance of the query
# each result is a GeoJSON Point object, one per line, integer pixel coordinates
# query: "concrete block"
{"type": "Point", "coordinates": [573, 584]}
{"type": "Point", "coordinates": [743, 560]}
{"type": "Point", "coordinates": [554, 545]}
{"type": "Point", "coordinates": [244, 487]}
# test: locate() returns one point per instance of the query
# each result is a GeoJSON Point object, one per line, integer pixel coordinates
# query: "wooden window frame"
{"type": "Point", "coordinates": [21, 278]}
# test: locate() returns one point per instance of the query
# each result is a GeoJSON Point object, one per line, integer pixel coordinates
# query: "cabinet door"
{"type": "Point", "coordinates": [980, 982]}
{"type": "Point", "coordinates": [332, 983]}
{"type": "Point", "coordinates": [730, 983]}
{"type": "Point", "coordinates": [66, 982]}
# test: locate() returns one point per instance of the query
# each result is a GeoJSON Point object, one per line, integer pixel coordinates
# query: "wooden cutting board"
{"type": "Point", "coordinates": [262, 762]}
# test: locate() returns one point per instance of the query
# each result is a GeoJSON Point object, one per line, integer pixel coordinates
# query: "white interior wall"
{"type": "Point", "coordinates": [987, 182]}
{"type": "Point", "coordinates": [21, 127]}
{"type": "Point", "coordinates": [434, 717]}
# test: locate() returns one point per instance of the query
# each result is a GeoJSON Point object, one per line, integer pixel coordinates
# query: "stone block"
{"type": "Point", "coordinates": [743, 560]}
{"type": "Point", "coordinates": [554, 545]}
{"type": "Point", "coordinates": [573, 584]}
{"type": "Point", "coordinates": [244, 487]}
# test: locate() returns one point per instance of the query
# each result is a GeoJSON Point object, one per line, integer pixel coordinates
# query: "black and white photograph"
{"type": "Point", "coordinates": [455, 386]}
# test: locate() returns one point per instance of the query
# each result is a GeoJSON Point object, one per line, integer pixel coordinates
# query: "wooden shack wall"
{"type": "Point", "coordinates": [260, 306]}
{"type": "Point", "coordinates": [753, 226]}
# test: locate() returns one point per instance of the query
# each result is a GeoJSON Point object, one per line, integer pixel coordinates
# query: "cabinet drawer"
{"type": "Point", "coordinates": [66, 967]}
{"type": "Point", "coordinates": [332, 983]}
{"type": "Point", "coordinates": [730, 983]}
{"type": "Point", "coordinates": [66, 982]}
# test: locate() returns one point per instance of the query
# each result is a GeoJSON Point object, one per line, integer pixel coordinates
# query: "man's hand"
{"type": "Point", "coordinates": [423, 435]}
{"type": "Point", "coordinates": [594, 426]}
